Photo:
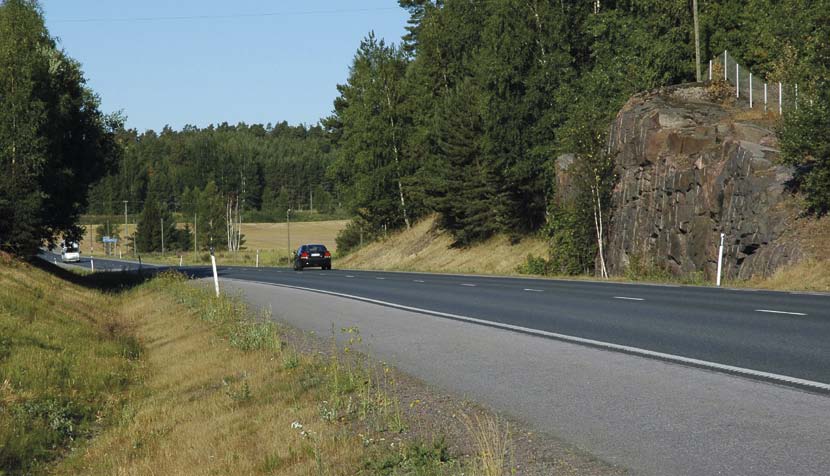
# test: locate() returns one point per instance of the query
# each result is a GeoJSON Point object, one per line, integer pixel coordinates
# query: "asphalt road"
{"type": "Point", "coordinates": [780, 336]}
{"type": "Point", "coordinates": [648, 416]}
{"type": "Point", "coordinates": [645, 414]}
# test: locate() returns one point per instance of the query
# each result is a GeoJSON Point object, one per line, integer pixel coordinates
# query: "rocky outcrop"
{"type": "Point", "coordinates": [689, 170]}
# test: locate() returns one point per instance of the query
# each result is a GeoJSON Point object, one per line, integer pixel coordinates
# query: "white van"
{"type": "Point", "coordinates": [70, 252]}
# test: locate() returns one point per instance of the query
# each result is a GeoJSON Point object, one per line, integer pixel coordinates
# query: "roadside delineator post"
{"type": "Point", "coordinates": [92, 264]}
{"type": "Point", "coordinates": [215, 275]}
{"type": "Point", "coordinates": [180, 261]}
{"type": "Point", "coordinates": [720, 258]}
{"type": "Point", "coordinates": [257, 258]}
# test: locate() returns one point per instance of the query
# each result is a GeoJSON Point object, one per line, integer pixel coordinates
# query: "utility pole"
{"type": "Point", "coordinates": [126, 234]}
{"type": "Point", "coordinates": [288, 231]}
{"type": "Point", "coordinates": [697, 41]}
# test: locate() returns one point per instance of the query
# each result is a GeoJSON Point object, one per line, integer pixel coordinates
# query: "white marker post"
{"type": "Point", "coordinates": [725, 69]}
{"type": "Point", "coordinates": [181, 258]}
{"type": "Point", "coordinates": [215, 275]}
{"type": "Point", "coordinates": [750, 90]}
{"type": "Point", "coordinates": [720, 258]}
{"type": "Point", "coordinates": [92, 264]}
{"type": "Point", "coordinates": [257, 258]}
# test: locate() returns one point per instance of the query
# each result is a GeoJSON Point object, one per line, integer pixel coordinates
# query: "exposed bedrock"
{"type": "Point", "coordinates": [688, 170]}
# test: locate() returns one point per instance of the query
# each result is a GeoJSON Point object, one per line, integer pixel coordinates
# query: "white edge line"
{"type": "Point", "coordinates": [770, 311]}
{"type": "Point", "coordinates": [577, 340]}
{"type": "Point", "coordinates": [629, 298]}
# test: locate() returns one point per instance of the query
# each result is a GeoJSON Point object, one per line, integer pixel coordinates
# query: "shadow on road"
{"type": "Point", "coordinates": [114, 281]}
{"type": "Point", "coordinates": [108, 282]}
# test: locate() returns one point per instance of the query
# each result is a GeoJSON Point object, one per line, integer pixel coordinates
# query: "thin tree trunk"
{"type": "Point", "coordinates": [397, 161]}
{"type": "Point", "coordinates": [595, 197]}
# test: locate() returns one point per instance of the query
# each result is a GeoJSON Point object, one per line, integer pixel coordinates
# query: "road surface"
{"type": "Point", "coordinates": [512, 343]}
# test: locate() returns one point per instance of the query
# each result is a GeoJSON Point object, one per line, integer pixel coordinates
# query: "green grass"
{"type": "Point", "coordinates": [66, 362]}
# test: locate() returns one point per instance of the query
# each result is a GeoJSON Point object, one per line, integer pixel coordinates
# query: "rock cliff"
{"type": "Point", "coordinates": [688, 170]}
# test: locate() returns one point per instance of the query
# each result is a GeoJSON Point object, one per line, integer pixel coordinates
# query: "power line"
{"type": "Point", "coordinates": [224, 17]}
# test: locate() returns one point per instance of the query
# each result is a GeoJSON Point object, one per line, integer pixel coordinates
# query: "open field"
{"type": "Point", "coordinates": [270, 238]}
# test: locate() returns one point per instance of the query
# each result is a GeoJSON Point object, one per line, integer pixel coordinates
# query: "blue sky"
{"type": "Point", "coordinates": [282, 62]}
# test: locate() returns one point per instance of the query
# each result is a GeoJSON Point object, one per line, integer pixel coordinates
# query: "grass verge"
{"type": "Point", "coordinates": [67, 362]}
{"type": "Point", "coordinates": [225, 394]}
{"type": "Point", "coordinates": [170, 380]}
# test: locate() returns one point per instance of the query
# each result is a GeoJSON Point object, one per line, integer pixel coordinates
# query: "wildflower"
{"type": "Point", "coordinates": [296, 425]}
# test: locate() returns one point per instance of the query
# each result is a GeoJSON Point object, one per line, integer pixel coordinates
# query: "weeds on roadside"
{"type": "Point", "coordinates": [492, 445]}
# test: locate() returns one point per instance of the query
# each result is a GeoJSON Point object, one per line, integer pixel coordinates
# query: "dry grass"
{"type": "Point", "coordinates": [492, 444]}
{"type": "Point", "coordinates": [207, 408]}
{"type": "Point", "coordinates": [224, 394]}
{"type": "Point", "coordinates": [266, 236]}
{"type": "Point", "coordinates": [424, 248]}
{"type": "Point", "coordinates": [812, 275]}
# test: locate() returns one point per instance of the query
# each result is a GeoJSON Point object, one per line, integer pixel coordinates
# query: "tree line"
{"type": "Point", "coordinates": [195, 173]}
{"type": "Point", "coordinates": [463, 118]}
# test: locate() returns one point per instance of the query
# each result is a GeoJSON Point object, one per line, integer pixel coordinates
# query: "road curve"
{"type": "Point", "coordinates": [764, 332]}
{"type": "Point", "coordinates": [652, 417]}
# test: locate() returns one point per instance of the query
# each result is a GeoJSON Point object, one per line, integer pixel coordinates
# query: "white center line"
{"type": "Point", "coordinates": [419, 280]}
{"type": "Point", "coordinates": [533, 290]}
{"type": "Point", "coordinates": [349, 276]}
{"type": "Point", "coordinates": [629, 298]}
{"type": "Point", "coordinates": [376, 277]}
{"type": "Point", "coordinates": [468, 285]}
{"type": "Point", "coordinates": [781, 312]}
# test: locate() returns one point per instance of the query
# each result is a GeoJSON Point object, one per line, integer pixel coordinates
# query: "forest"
{"type": "Point", "coordinates": [463, 118]}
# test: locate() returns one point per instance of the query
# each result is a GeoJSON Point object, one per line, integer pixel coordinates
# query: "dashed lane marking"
{"type": "Point", "coordinates": [770, 311]}
{"type": "Point", "coordinates": [533, 290]}
{"type": "Point", "coordinates": [626, 298]}
{"type": "Point", "coordinates": [469, 285]}
{"type": "Point", "coordinates": [418, 280]}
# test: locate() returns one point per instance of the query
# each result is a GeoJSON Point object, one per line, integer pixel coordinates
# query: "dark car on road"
{"type": "Point", "coordinates": [312, 256]}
